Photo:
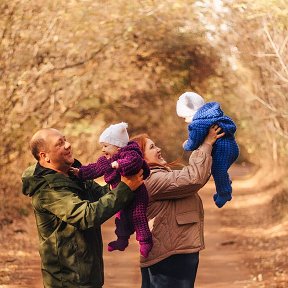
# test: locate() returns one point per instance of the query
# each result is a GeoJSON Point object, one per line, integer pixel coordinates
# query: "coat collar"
{"type": "Point", "coordinates": [43, 171]}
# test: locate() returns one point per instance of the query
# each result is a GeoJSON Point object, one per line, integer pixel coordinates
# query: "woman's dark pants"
{"type": "Point", "coordinates": [176, 271]}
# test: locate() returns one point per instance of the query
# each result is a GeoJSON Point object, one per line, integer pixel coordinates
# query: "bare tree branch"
{"type": "Point", "coordinates": [282, 78]}
{"type": "Point", "coordinates": [276, 50]}
{"type": "Point", "coordinates": [282, 46]}
{"type": "Point", "coordinates": [278, 128]}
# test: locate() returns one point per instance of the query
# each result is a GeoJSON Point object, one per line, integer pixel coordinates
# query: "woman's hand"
{"type": "Point", "coordinates": [213, 134]}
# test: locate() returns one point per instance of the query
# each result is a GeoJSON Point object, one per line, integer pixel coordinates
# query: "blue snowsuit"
{"type": "Point", "coordinates": [225, 150]}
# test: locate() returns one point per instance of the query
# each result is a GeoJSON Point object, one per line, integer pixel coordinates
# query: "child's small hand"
{"type": "Point", "coordinates": [115, 164]}
{"type": "Point", "coordinates": [75, 171]}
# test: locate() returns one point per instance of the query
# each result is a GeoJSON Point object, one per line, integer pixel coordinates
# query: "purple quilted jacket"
{"type": "Point", "coordinates": [130, 161]}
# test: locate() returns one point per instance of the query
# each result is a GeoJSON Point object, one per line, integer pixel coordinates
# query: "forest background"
{"type": "Point", "coordinates": [79, 66]}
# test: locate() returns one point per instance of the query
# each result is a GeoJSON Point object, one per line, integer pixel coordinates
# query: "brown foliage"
{"type": "Point", "coordinates": [79, 66]}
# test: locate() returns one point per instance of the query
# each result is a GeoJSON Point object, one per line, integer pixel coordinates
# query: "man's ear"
{"type": "Point", "coordinates": [43, 156]}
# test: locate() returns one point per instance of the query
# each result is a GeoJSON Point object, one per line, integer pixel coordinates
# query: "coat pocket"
{"type": "Point", "coordinates": [188, 217]}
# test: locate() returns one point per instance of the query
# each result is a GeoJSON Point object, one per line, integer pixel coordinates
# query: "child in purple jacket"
{"type": "Point", "coordinates": [122, 157]}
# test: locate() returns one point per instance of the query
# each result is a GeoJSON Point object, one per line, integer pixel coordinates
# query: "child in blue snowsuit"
{"type": "Point", "coordinates": [201, 116]}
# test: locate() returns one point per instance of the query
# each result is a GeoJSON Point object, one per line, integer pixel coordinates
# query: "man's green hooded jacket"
{"type": "Point", "coordinates": [68, 214]}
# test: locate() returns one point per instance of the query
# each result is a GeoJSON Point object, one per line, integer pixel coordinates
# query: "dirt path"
{"type": "Point", "coordinates": [19, 258]}
{"type": "Point", "coordinates": [221, 263]}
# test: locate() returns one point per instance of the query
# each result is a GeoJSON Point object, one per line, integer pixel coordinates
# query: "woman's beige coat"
{"type": "Point", "coordinates": [175, 212]}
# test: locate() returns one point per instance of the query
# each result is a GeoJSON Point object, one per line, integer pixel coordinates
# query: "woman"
{"type": "Point", "coordinates": [175, 214]}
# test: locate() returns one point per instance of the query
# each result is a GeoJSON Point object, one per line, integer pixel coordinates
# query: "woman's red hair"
{"type": "Point", "coordinates": [141, 140]}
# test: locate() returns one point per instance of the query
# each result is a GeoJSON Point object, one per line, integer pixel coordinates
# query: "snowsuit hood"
{"type": "Point", "coordinates": [213, 112]}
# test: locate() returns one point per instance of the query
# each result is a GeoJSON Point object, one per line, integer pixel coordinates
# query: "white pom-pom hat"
{"type": "Point", "coordinates": [188, 104]}
{"type": "Point", "coordinates": [115, 134]}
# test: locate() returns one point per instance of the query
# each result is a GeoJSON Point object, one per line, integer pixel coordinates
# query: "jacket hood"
{"type": "Point", "coordinates": [211, 111]}
{"type": "Point", "coordinates": [131, 146]}
{"type": "Point", "coordinates": [33, 177]}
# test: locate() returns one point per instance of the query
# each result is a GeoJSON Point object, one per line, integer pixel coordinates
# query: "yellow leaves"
{"type": "Point", "coordinates": [130, 29]}
{"type": "Point", "coordinates": [177, 5]}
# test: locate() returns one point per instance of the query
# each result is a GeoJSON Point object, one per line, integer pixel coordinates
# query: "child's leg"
{"type": "Point", "coordinates": [223, 186]}
{"type": "Point", "coordinates": [139, 219]}
{"type": "Point", "coordinates": [225, 152]}
{"type": "Point", "coordinates": [123, 231]}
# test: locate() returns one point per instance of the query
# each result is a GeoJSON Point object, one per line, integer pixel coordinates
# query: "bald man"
{"type": "Point", "coordinates": [69, 213]}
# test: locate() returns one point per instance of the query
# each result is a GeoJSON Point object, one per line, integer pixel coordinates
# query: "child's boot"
{"type": "Point", "coordinates": [120, 244]}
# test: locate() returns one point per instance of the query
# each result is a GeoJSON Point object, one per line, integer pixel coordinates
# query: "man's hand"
{"type": "Point", "coordinates": [133, 181]}
{"type": "Point", "coordinates": [213, 134]}
{"type": "Point", "coordinates": [74, 171]}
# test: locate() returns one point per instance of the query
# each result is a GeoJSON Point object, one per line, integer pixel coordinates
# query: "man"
{"type": "Point", "coordinates": [69, 213]}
